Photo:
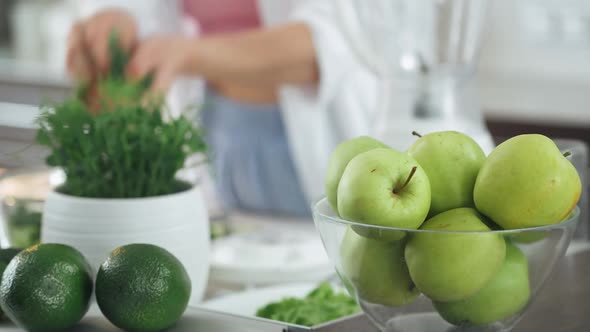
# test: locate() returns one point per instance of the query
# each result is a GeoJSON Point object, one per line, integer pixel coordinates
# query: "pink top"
{"type": "Point", "coordinates": [215, 16]}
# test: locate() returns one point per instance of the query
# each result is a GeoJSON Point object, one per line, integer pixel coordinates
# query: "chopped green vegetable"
{"type": "Point", "coordinates": [321, 305]}
{"type": "Point", "coordinates": [131, 148]}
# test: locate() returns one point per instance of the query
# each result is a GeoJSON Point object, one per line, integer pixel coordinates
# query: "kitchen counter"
{"type": "Point", "coordinates": [563, 304]}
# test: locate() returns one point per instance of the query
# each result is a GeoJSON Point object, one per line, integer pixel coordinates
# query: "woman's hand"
{"type": "Point", "coordinates": [166, 58]}
{"type": "Point", "coordinates": [88, 51]}
{"type": "Point", "coordinates": [265, 58]}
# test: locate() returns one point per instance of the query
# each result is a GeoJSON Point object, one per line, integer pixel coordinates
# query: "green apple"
{"type": "Point", "coordinates": [343, 153]}
{"type": "Point", "coordinates": [505, 295]}
{"type": "Point", "coordinates": [384, 187]}
{"type": "Point", "coordinates": [527, 182]}
{"type": "Point", "coordinates": [456, 255]}
{"type": "Point", "coordinates": [451, 160]}
{"type": "Point", "coordinates": [377, 270]}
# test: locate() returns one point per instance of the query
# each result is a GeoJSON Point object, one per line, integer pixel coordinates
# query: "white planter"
{"type": "Point", "coordinates": [95, 226]}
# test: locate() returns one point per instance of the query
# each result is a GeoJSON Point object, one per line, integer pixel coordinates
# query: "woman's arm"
{"type": "Point", "coordinates": [87, 46]}
{"type": "Point", "coordinates": [283, 54]}
{"type": "Point", "coordinates": [262, 57]}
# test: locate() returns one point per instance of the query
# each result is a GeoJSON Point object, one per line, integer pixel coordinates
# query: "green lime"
{"type": "Point", "coordinates": [142, 287]}
{"type": "Point", "coordinates": [6, 255]}
{"type": "Point", "coordinates": [2, 268]}
{"type": "Point", "coordinates": [46, 287]}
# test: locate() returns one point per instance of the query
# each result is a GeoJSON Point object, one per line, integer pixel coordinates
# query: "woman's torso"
{"type": "Point", "coordinates": [219, 16]}
{"type": "Point", "coordinates": [245, 131]}
{"type": "Point", "coordinates": [227, 16]}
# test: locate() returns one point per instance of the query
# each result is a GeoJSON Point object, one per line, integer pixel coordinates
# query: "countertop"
{"type": "Point", "coordinates": [564, 302]}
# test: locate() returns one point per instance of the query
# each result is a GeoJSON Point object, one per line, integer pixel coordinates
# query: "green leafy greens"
{"type": "Point", "coordinates": [131, 148]}
{"type": "Point", "coordinates": [321, 305]}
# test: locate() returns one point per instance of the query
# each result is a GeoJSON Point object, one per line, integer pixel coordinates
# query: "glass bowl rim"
{"type": "Point", "coordinates": [572, 219]}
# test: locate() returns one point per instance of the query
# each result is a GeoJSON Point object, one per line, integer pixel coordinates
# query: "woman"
{"type": "Point", "coordinates": [244, 64]}
{"type": "Point", "coordinates": [283, 85]}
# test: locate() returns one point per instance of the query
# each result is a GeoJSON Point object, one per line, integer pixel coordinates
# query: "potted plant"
{"type": "Point", "coordinates": [121, 167]}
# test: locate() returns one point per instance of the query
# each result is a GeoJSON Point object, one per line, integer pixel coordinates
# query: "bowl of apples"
{"type": "Point", "coordinates": [442, 237]}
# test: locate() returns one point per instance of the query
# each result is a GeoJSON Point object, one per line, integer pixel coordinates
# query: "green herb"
{"type": "Point", "coordinates": [323, 304]}
{"type": "Point", "coordinates": [132, 148]}
{"type": "Point", "coordinates": [119, 58]}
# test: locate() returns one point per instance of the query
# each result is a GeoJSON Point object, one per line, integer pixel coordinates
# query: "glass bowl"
{"type": "Point", "coordinates": [372, 262]}
{"type": "Point", "coordinates": [22, 196]}
{"type": "Point", "coordinates": [22, 221]}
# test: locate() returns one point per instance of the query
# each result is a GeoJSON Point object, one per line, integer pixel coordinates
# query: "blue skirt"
{"type": "Point", "coordinates": [252, 167]}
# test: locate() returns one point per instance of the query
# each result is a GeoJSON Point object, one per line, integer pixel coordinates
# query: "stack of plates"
{"type": "Point", "coordinates": [275, 252]}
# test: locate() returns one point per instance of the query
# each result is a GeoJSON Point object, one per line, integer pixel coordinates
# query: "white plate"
{"type": "Point", "coordinates": [246, 303]}
{"type": "Point", "coordinates": [273, 254]}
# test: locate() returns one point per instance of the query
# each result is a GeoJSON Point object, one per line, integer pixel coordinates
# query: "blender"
{"type": "Point", "coordinates": [424, 53]}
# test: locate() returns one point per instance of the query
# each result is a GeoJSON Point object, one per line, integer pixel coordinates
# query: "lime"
{"type": "Point", "coordinates": [2, 268]}
{"type": "Point", "coordinates": [142, 287]}
{"type": "Point", "coordinates": [6, 256]}
{"type": "Point", "coordinates": [46, 287]}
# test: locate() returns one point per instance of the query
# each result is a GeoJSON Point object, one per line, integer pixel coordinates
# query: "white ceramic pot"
{"type": "Point", "coordinates": [95, 226]}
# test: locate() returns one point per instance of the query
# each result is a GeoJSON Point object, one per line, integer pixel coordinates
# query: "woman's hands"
{"type": "Point", "coordinates": [166, 58]}
{"type": "Point", "coordinates": [88, 51]}
{"type": "Point", "coordinates": [260, 59]}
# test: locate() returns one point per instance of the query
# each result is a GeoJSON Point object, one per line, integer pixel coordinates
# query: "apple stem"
{"type": "Point", "coordinates": [397, 191]}
{"type": "Point", "coordinates": [415, 133]}
{"type": "Point", "coordinates": [567, 154]}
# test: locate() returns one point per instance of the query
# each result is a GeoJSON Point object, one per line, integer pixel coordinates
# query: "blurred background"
{"type": "Point", "coordinates": [534, 70]}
